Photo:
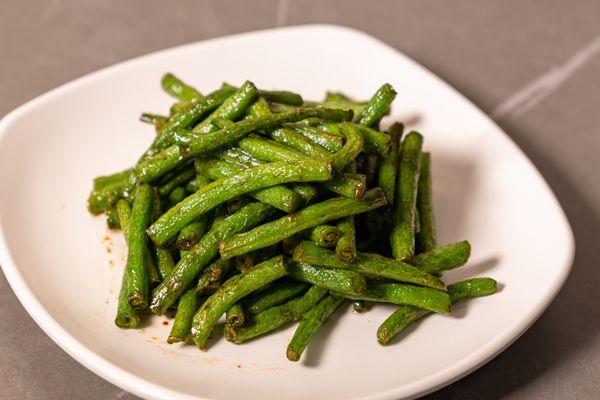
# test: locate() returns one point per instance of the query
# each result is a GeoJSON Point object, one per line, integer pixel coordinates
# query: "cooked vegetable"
{"type": "Point", "coordinates": [405, 315]}
{"type": "Point", "coordinates": [267, 209]}
{"type": "Point", "coordinates": [403, 232]}
{"type": "Point", "coordinates": [232, 291]}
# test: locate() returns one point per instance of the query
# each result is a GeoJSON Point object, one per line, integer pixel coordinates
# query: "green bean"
{"type": "Point", "coordinates": [325, 235]}
{"type": "Point", "coordinates": [112, 219]}
{"type": "Point", "coordinates": [136, 240]}
{"type": "Point", "coordinates": [330, 142]}
{"type": "Point", "coordinates": [176, 195]}
{"type": "Point", "coordinates": [277, 196]}
{"type": "Point", "coordinates": [214, 140]}
{"type": "Point", "coordinates": [126, 315]}
{"type": "Point", "coordinates": [232, 291]}
{"type": "Point", "coordinates": [348, 185]}
{"type": "Point", "coordinates": [388, 169]}
{"type": "Point", "coordinates": [275, 317]}
{"type": "Point", "coordinates": [313, 215]}
{"type": "Point", "coordinates": [164, 261]}
{"type": "Point", "coordinates": [269, 150]}
{"type": "Point", "coordinates": [218, 192]}
{"type": "Point", "coordinates": [259, 108]}
{"type": "Point", "coordinates": [359, 306]}
{"type": "Point", "coordinates": [178, 108]}
{"type": "Point", "coordinates": [211, 276]}
{"type": "Point", "coordinates": [154, 119]}
{"type": "Point", "coordinates": [102, 182]}
{"type": "Point", "coordinates": [192, 233]}
{"type": "Point", "coordinates": [405, 315]}
{"type": "Point", "coordinates": [158, 164]}
{"type": "Point", "coordinates": [377, 105]}
{"type": "Point", "coordinates": [188, 268]}
{"type": "Point", "coordinates": [337, 280]}
{"type": "Point", "coordinates": [235, 315]}
{"type": "Point", "coordinates": [231, 109]}
{"type": "Point", "coordinates": [372, 169]}
{"type": "Point", "coordinates": [186, 308]}
{"type": "Point", "coordinates": [309, 325]}
{"type": "Point", "coordinates": [244, 262]}
{"type": "Point", "coordinates": [357, 109]}
{"type": "Point", "coordinates": [352, 147]}
{"type": "Point", "coordinates": [444, 258]}
{"type": "Point", "coordinates": [403, 231]}
{"type": "Point", "coordinates": [100, 200]}
{"type": "Point", "coordinates": [176, 88]}
{"type": "Point", "coordinates": [375, 142]}
{"type": "Point", "coordinates": [278, 293]}
{"type": "Point", "coordinates": [181, 178]}
{"type": "Point", "coordinates": [298, 142]}
{"type": "Point", "coordinates": [368, 264]}
{"type": "Point", "coordinates": [345, 249]}
{"type": "Point", "coordinates": [281, 96]}
{"type": "Point", "coordinates": [405, 294]}
{"type": "Point", "coordinates": [190, 115]}
{"type": "Point", "coordinates": [425, 238]}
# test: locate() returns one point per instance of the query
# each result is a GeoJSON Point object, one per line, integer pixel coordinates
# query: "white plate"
{"type": "Point", "coordinates": [55, 255]}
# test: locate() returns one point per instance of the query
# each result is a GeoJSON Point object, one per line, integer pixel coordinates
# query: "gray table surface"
{"type": "Point", "coordinates": [534, 66]}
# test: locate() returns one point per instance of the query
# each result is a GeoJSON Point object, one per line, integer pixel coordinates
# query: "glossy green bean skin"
{"type": "Point", "coordinates": [233, 108]}
{"type": "Point", "coordinates": [222, 190]}
{"type": "Point", "coordinates": [359, 306]}
{"type": "Point", "coordinates": [375, 142]}
{"type": "Point", "coordinates": [298, 142]}
{"type": "Point", "coordinates": [137, 271]}
{"type": "Point", "coordinates": [159, 164]}
{"type": "Point", "coordinates": [112, 219]}
{"type": "Point", "coordinates": [276, 294]}
{"type": "Point", "coordinates": [178, 89]}
{"type": "Point", "coordinates": [176, 195]}
{"type": "Point", "coordinates": [388, 170]}
{"type": "Point", "coordinates": [278, 196]}
{"type": "Point", "coordinates": [444, 258]}
{"type": "Point", "coordinates": [180, 179]}
{"type": "Point", "coordinates": [102, 182]}
{"type": "Point", "coordinates": [282, 96]}
{"type": "Point", "coordinates": [164, 261]}
{"type": "Point", "coordinates": [325, 235]}
{"type": "Point", "coordinates": [352, 147]}
{"type": "Point", "coordinates": [403, 231]}
{"type": "Point", "coordinates": [212, 276]}
{"type": "Point", "coordinates": [309, 325]}
{"type": "Point", "coordinates": [192, 233]}
{"type": "Point", "coordinates": [425, 238]}
{"type": "Point", "coordinates": [366, 263]}
{"type": "Point", "coordinates": [330, 142]}
{"type": "Point", "coordinates": [377, 105]}
{"type": "Point", "coordinates": [337, 280]}
{"type": "Point", "coordinates": [347, 184]}
{"type": "Point", "coordinates": [232, 291]}
{"type": "Point", "coordinates": [345, 249]}
{"type": "Point", "coordinates": [101, 199]}
{"type": "Point", "coordinates": [190, 115]}
{"type": "Point", "coordinates": [188, 268]}
{"type": "Point", "coordinates": [406, 294]}
{"type": "Point", "coordinates": [311, 216]}
{"type": "Point", "coordinates": [126, 315]}
{"type": "Point", "coordinates": [275, 317]}
{"type": "Point", "coordinates": [214, 140]}
{"type": "Point", "coordinates": [268, 150]}
{"type": "Point", "coordinates": [157, 120]}
{"type": "Point", "coordinates": [182, 325]}
{"type": "Point", "coordinates": [235, 315]}
{"type": "Point", "coordinates": [405, 315]}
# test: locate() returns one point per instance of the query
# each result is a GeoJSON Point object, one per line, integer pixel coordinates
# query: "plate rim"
{"type": "Point", "coordinates": [148, 389]}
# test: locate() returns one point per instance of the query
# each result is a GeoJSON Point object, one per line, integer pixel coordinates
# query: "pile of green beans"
{"type": "Point", "coordinates": [265, 209]}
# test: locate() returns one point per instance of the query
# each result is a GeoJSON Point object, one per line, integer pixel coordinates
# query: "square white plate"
{"type": "Point", "coordinates": [65, 267]}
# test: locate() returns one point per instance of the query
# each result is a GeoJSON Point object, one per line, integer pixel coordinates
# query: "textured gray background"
{"type": "Point", "coordinates": [534, 66]}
